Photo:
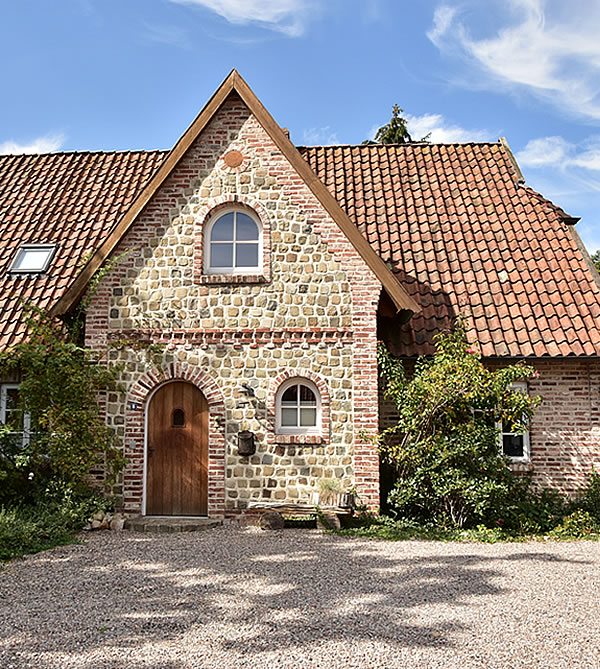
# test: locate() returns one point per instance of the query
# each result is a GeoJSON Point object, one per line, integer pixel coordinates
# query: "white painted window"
{"type": "Point", "coordinates": [515, 446]}
{"type": "Point", "coordinates": [233, 243]}
{"type": "Point", "coordinates": [33, 258]}
{"type": "Point", "coordinates": [298, 407]}
{"type": "Point", "coordinates": [11, 415]}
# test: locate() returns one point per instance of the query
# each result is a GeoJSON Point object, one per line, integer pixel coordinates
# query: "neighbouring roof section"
{"type": "Point", "coordinates": [464, 235]}
{"type": "Point", "coordinates": [69, 199]}
{"type": "Point", "coordinates": [456, 224]}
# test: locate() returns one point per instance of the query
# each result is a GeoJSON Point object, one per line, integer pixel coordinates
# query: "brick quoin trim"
{"type": "Point", "coordinates": [212, 207]}
{"type": "Point", "coordinates": [141, 394]}
{"type": "Point", "coordinates": [315, 310]}
{"type": "Point", "coordinates": [323, 437]}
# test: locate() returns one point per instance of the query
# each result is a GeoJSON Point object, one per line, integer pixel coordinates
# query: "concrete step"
{"type": "Point", "coordinates": [169, 524]}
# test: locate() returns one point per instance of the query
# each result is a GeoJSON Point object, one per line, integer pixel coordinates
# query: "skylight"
{"type": "Point", "coordinates": [33, 258]}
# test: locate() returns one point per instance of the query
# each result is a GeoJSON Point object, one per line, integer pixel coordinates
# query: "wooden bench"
{"type": "Point", "coordinates": [331, 513]}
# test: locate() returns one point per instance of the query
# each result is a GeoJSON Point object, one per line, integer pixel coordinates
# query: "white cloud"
{"type": "Point", "coordinates": [439, 130]}
{"type": "Point", "coordinates": [547, 47]}
{"type": "Point", "coordinates": [569, 175]}
{"type": "Point", "coordinates": [46, 144]}
{"type": "Point", "coordinates": [320, 136]}
{"type": "Point", "coordinates": [442, 19]}
{"type": "Point", "coordinates": [558, 153]}
{"type": "Point", "coordinates": [286, 16]}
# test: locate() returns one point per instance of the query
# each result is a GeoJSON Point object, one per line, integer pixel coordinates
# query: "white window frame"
{"type": "Point", "coordinates": [4, 387]}
{"type": "Point", "coordinates": [208, 268]}
{"type": "Point", "coordinates": [297, 429]}
{"type": "Point", "coordinates": [516, 386]}
{"type": "Point", "coordinates": [51, 248]}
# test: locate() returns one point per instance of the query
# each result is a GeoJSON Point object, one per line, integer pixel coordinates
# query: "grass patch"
{"type": "Point", "coordinates": [53, 519]}
{"type": "Point", "coordinates": [33, 529]}
{"type": "Point", "coordinates": [388, 529]}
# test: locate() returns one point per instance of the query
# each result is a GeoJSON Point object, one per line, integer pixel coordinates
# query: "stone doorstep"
{"type": "Point", "coordinates": [169, 524]}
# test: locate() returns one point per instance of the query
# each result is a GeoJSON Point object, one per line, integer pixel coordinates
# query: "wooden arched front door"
{"type": "Point", "coordinates": [177, 452]}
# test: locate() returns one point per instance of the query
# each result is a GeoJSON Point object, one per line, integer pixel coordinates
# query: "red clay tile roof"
{"type": "Point", "coordinates": [462, 235]}
{"type": "Point", "coordinates": [72, 199]}
{"type": "Point", "coordinates": [465, 237]}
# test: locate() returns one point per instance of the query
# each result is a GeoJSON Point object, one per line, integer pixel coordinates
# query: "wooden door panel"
{"type": "Point", "coordinates": [177, 471]}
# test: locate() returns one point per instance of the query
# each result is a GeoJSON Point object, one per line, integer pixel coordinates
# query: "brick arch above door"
{"type": "Point", "coordinates": [137, 403]}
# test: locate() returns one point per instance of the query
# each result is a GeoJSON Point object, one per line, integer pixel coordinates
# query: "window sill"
{"type": "Point", "coordinates": [314, 439]}
{"type": "Point", "coordinates": [520, 465]}
{"type": "Point", "coordinates": [231, 278]}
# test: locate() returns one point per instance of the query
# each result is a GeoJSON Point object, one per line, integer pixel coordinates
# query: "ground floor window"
{"type": "Point", "coordinates": [515, 446]}
{"type": "Point", "coordinates": [16, 423]}
{"type": "Point", "coordinates": [298, 407]}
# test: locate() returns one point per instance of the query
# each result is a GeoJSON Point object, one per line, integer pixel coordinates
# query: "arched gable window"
{"type": "Point", "coordinates": [298, 407]}
{"type": "Point", "coordinates": [233, 243]}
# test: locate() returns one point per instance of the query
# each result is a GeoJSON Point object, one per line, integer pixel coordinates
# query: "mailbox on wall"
{"type": "Point", "coordinates": [246, 444]}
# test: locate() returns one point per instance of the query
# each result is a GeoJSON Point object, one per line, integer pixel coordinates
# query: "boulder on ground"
{"type": "Point", "coordinates": [271, 520]}
{"type": "Point", "coordinates": [328, 521]}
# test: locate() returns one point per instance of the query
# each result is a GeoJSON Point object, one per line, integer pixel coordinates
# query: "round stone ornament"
{"type": "Point", "coordinates": [233, 158]}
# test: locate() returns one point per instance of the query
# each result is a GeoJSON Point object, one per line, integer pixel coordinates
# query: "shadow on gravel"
{"type": "Point", "coordinates": [241, 591]}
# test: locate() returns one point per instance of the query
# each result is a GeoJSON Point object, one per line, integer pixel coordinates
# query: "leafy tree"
{"type": "Point", "coordinates": [445, 446]}
{"type": "Point", "coordinates": [596, 259]}
{"type": "Point", "coordinates": [394, 132]}
{"type": "Point", "coordinates": [60, 385]}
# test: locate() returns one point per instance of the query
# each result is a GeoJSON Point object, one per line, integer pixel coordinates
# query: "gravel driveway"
{"type": "Point", "coordinates": [233, 597]}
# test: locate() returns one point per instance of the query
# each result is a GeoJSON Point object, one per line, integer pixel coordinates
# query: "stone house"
{"type": "Point", "coordinates": [269, 272]}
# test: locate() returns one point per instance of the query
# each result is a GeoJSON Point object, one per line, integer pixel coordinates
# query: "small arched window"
{"type": "Point", "coordinates": [233, 243]}
{"type": "Point", "coordinates": [298, 407]}
{"type": "Point", "coordinates": [178, 418]}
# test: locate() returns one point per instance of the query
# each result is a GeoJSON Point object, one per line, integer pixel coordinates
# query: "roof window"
{"type": "Point", "coordinates": [33, 258]}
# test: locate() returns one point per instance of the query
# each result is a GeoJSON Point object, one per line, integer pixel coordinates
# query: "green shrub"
{"type": "Point", "coordinates": [577, 525]}
{"type": "Point", "coordinates": [60, 385]}
{"type": "Point", "coordinates": [52, 519]}
{"type": "Point", "coordinates": [444, 446]}
{"type": "Point", "coordinates": [535, 511]}
{"type": "Point", "coordinates": [589, 500]}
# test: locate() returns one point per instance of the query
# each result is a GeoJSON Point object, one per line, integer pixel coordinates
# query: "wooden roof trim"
{"type": "Point", "coordinates": [234, 82]}
{"type": "Point", "coordinates": [399, 296]}
{"type": "Point", "coordinates": [77, 288]}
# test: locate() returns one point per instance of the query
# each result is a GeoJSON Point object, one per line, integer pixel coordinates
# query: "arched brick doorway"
{"type": "Point", "coordinates": [177, 451]}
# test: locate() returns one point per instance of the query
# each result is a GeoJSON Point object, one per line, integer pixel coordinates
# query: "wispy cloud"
{"type": "Point", "coordinates": [169, 35]}
{"type": "Point", "coordinates": [440, 130]}
{"type": "Point", "coordinates": [45, 144]}
{"type": "Point", "coordinates": [547, 47]}
{"type": "Point", "coordinates": [568, 174]}
{"type": "Point", "coordinates": [556, 152]}
{"type": "Point", "coordinates": [289, 17]}
{"type": "Point", "coordinates": [320, 136]}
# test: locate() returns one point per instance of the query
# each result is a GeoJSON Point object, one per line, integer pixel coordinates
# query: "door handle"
{"type": "Point", "coordinates": [150, 451]}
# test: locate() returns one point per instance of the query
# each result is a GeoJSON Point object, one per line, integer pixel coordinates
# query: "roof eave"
{"type": "Point", "coordinates": [234, 82]}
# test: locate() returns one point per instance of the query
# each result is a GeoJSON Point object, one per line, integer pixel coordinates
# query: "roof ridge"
{"type": "Point", "coordinates": [400, 145]}
{"type": "Point", "coordinates": [84, 152]}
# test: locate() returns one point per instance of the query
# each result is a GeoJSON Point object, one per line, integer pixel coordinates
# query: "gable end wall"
{"type": "Point", "coordinates": [312, 314]}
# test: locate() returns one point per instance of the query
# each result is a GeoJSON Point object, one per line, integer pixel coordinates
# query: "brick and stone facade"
{"type": "Point", "coordinates": [311, 313]}
{"type": "Point", "coordinates": [565, 430]}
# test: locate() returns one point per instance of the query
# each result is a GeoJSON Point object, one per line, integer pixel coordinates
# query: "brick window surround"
{"type": "Point", "coordinates": [212, 209]}
{"type": "Point", "coordinates": [320, 437]}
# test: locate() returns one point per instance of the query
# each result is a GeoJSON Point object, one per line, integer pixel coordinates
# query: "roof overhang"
{"type": "Point", "coordinates": [234, 83]}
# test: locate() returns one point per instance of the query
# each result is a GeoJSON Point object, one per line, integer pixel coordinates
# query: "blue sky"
{"type": "Point", "coordinates": [131, 74]}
